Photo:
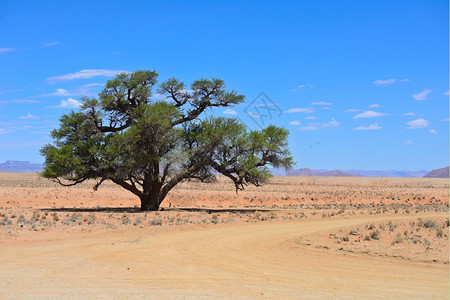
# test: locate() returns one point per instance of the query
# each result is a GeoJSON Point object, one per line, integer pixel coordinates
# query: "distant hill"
{"type": "Point", "coordinates": [309, 172]}
{"type": "Point", "coordinates": [388, 173]}
{"type": "Point", "coordinates": [20, 167]}
{"type": "Point", "coordinates": [438, 173]}
{"type": "Point", "coordinates": [351, 173]}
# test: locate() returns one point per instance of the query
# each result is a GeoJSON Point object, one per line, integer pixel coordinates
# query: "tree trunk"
{"type": "Point", "coordinates": [149, 203]}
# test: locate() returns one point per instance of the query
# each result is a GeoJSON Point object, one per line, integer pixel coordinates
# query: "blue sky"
{"type": "Point", "coordinates": [359, 84]}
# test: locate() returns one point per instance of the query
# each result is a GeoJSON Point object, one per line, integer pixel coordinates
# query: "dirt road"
{"type": "Point", "coordinates": [230, 261]}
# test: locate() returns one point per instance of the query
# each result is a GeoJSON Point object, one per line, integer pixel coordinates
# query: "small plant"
{"type": "Point", "coordinates": [155, 222]}
{"type": "Point", "coordinates": [344, 238]}
{"type": "Point", "coordinates": [375, 235]}
{"type": "Point", "coordinates": [125, 219]}
{"type": "Point", "coordinates": [439, 232]}
{"type": "Point", "coordinates": [397, 240]}
{"type": "Point", "coordinates": [367, 237]}
{"type": "Point", "coordinates": [90, 219]}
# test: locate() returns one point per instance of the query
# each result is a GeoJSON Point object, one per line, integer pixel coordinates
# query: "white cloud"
{"type": "Point", "coordinates": [369, 114]}
{"type": "Point", "coordinates": [419, 123]}
{"type": "Point", "coordinates": [385, 82]}
{"type": "Point", "coordinates": [326, 107]}
{"type": "Point", "coordinates": [3, 131]}
{"type": "Point", "coordinates": [51, 44]}
{"type": "Point", "coordinates": [447, 93]}
{"type": "Point", "coordinates": [28, 117]}
{"type": "Point", "coordinates": [252, 114]}
{"type": "Point", "coordinates": [311, 118]}
{"type": "Point", "coordinates": [332, 123]}
{"type": "Point", "coordinates": [433, 131]}
{"type": "Point", "coordinates": [229, 111]}
{"type": "Point", "coordinates": [294, 123]}
{"type": "Point", "coordinates": [389, 81]}
{"type": "Point", "coordinates": [18, 101]}
{"type": "Point", "coordinates": [4, 50]}
{"type": "Point", "coordinates": [352, 110]}
{"type": "Point", "coordinates": [422, 95]}
{"type": "Point", "coordinates": [370, 127]}
{"type": "Point", "coordinates": [301, 86]}
{"type": "Point", "coordinates": [84, 90]}
{"type": "Point", "coordinates": [321, 103]}
{"type": "Point", "coordinates": [299, 110]}
{"type": "Point", "coordinates": [408, 142]}
{"type": "Point", "coordinates": [409, 114]}
{"type": "Point", "coordinates": [69, 103]}
{"type": "Point", "coordinates": [85, 74]}
{"type": "Point", "coordinates": [374, 105]}
{"type": "Point", "coordinates": [309, 128]}
{"type": "Point", "coordinates": [446, 120]}
{"type": "Point", "coordinates": [316, 126]}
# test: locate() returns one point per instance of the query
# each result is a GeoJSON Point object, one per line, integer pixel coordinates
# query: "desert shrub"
{"type": "Point", "coordinates": [367, 237]}
{"type": "Point", "coordinates": [429, 224]}
{"type": "Point", "coordinates": [398, 240]}
{"type": "Point", "coordinates": [371, 226]}
{"type": "Point", "coordinates": [344, 238]}
{"type": "Point", "coordinates": [55, 217]}
{"type": "Point", "coordinates": [439, 232]}
{"type": "Point", "coordinates": [90, 219]}
{"type": "Point", "coordinates": [375, 235]}
{"type": "Point", "coordinates": [155, 222]}
{"type": "Point", "coordinates": [137, 222]}
{"type": "Point", "coordinates": [125, 220]}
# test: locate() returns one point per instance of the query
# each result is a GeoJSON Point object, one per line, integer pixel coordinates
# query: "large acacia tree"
{"type": "Point", "coordinates": [148, 145]}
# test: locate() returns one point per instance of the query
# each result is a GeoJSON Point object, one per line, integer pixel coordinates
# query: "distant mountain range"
{"type": "Point", "coordinates": [20, 167]}
{"type": "Point", "coordinates": [309, 172]}
{"type": "Point", "coordinates": [27, 167]}
{"type": "Point", "coordinates": [352, 173]}
{"type": "Point", "coordinates": [438, 173]}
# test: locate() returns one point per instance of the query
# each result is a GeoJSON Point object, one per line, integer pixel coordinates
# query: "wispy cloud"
{"type": "Point", "coordinates": [375, 105]}
{"type": "Point", "coordinates": [419, 123]}
{"type": "Point", "coordinates": [317, 126]}
{"type": "Point", "coordinates": [229, 111]}
{"type": "Point", "coordinates": [84, 90]}
{"type": "Point", "coordinates": [409, 114]}
{"type": "Point", "coordinates": [370, 127]}
{"type": "Point", "coordinates": [352, 110]}
{"type": "Point", "coordinates": [408, 142]}
{"type": "Point", "coordinates": [369, 114]}
{"type": "Point", "coordinates": [51, 44]}
{"type": "Point", "coordinates": [301, 86]}
{"type": "Point", "coordinates": [69, 103]}
{"type": "Point", "coordinates": [3, 131]}
{"type": "Point", "coordinates": [389, 81]}
{"type": "Point", "coordinates": [85, 74]}
{"type": "Point", "coordinates": [293, 123]}
{"type": "Point", "coordinates": [422, 95]}
{"type": "Point", "coordinates": [29, 117]}
{"type": "Point", "coordinates": [311, 118]}
{"type": "Point", "coordinates": [19, 101]}
{"type": "Point", "coordinates": [447, 93]}
{"type": "Point", "coordinates": [4, 50]}
{"type": "Point", "coordinates": [433, 131]}
{"type": "Point", "coordinates": [321, 103]}
{"type": "Point", "coordinates": [299, 110]}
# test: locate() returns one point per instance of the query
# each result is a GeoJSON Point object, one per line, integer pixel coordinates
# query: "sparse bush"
{"type": "Point", "coordinates": [375, 235]}
{"type": "Point", "coordinates": [155, 222]}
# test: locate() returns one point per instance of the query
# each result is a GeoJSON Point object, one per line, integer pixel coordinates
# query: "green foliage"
{"type": "Point", "coordinates": [149, 146]}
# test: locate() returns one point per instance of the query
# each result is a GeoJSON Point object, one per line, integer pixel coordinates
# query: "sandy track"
{"type": "Point", "coordinates": [233, 260]}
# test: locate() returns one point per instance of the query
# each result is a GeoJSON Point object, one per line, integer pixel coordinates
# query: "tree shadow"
{"type": "Point", "coordinates": [138, 210]}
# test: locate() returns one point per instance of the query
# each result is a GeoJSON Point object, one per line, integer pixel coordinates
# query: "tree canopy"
{"type": "Point", "coordinates": [148, 145]}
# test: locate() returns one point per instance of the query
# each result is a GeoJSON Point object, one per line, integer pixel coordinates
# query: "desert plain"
{"type": "Point", "coordinates": [295, 237]}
